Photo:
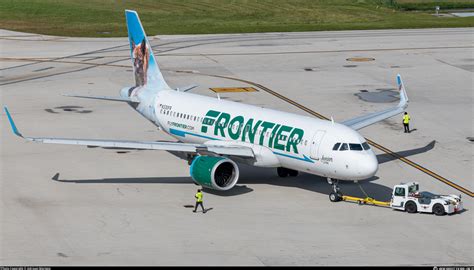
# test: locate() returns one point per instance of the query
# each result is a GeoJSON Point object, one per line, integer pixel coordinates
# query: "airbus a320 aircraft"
{"type": "Point", "coordinates": [214, 135]}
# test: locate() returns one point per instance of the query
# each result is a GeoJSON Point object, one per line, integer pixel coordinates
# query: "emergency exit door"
{"type": "Point", "coordinates": [315, 143]}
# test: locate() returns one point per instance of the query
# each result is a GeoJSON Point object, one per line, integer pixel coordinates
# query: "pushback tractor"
{"type": "Point", "coordinates": [407, 197]}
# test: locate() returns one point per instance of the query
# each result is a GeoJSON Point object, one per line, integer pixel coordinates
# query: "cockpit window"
{"type": "Point", "coordinates": [355, 146]}
{"type": "Point", "coordinates": [366, 146]}
{"type": "Point", "coordinates": [336, 146]}
{"type": "Point", "coordinates": [344, 147]}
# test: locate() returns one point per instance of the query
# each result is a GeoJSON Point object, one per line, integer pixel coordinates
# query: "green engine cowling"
{"type": "Point", "coordinates": [217, 173]}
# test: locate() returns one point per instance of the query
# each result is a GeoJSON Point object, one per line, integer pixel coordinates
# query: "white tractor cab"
{"type": "Point", "coordinates": [406, 197]}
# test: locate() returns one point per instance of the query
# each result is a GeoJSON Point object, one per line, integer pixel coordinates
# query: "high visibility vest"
{"type": "Point", "coordinates": [406, 119]}
{"type": "Point", "coordinates": [198, 197]}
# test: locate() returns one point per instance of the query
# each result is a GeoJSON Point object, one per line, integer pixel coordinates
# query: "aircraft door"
{"type": "Point", "coordinates": [315, 143]}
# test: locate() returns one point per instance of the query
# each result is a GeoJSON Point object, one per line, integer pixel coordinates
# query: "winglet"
{"type": "Point", "coordinates": [403, 94]}
{"type": "Point", "coordinates": [12, 124]}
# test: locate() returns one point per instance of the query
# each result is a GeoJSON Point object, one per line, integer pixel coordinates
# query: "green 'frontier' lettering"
{"type": "Point", "coordinates": [221, 123]}
{"type": "Point", "coordinates": [239, 120]}
{"type": "Point", "coordinates": [295, 137]}
{"type": "Point", "coordinates": [251, 131]}
{"type": "Point", "coordinates": [208, 120]}
{"type": "Point", "coordinates": [265, 125]}
{"type": "Point", "coordinates": [270, 142]}
{"type": "Point", "coordinates": [279, 134]}
{"type": "Point", "coordinates": [234, 127]}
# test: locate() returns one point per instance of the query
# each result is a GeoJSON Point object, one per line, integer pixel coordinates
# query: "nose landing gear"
{"type": "Point", "coordinates": [335, 195]}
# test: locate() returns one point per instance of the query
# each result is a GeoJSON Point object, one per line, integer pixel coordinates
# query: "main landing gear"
{"type": "Point", "coordinates": [284, 172]}
{"type": "Point", "coordinates": [335, 195]}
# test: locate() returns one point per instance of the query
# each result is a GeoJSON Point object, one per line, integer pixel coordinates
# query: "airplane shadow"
{"type": "Point", "coordinates": [383, 158]}
{"type": "Point", "coordinates": [255, 175]}
{"type": "Point", "coordinates": [250, 175]}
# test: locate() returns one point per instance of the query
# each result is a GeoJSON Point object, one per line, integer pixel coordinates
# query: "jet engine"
{"type": "Point", "coordinates": [217, 173]}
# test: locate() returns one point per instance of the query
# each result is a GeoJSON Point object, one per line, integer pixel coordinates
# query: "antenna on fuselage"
{"type": "Point", "coordinates": [218, 96]}
{"type": "Point", "coordinates": [332, 120]}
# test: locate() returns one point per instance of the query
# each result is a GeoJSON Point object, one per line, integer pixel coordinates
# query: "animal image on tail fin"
{"type": "Point", "coordinates": [146, 71]}
{"type": "Point", "coordinates": [140, 56]}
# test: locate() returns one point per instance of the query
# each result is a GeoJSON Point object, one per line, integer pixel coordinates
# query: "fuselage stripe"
{"type": "Point", "coordinates": [182, 133]}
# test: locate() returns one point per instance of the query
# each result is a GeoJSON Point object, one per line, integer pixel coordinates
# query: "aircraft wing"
{"type": "Point", "coordinates": [372, 118]}
{"type": "Point", "coordinates": [240, 151]}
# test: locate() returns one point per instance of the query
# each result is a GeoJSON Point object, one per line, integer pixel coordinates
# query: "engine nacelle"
{"type": "Point", "coordinates": [214, 172]}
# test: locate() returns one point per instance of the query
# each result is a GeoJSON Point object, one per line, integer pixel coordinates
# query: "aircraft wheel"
{"type": "Point", "coordinates": [438, 209]}
{"type": "Point", "coordinates": [410, 207]}
{"type": "Point", "coordinates": [334, 197]}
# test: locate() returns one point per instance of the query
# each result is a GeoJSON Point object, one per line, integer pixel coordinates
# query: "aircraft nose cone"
{"type": "Point", "coordinates": [369, 166]}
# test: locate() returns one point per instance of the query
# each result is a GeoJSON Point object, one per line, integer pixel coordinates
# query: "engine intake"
{"type": "Point", "coordinates": [217, 173]}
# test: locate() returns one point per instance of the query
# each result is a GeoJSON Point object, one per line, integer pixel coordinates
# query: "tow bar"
{"type": "Point", "coordinates": [366, 200]}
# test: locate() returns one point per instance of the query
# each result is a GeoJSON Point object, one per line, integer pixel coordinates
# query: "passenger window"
{"type": "Point", "coordinates": [336, 146]}
{"type": "Point", "coordinates": [355, 147]}
{"type": "Point", "coordinates": [399, 191]}
{"type": "Point", "coordinates": [344, 147]}
{"type": "Point", "coordinates": [366, 146]}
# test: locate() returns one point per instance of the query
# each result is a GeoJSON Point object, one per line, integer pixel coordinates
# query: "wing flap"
{"type": "Point", "coordinates": [150, 145]}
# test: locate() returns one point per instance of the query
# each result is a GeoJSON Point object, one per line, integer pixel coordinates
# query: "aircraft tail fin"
{"type": "Point", "coordinates": [403, 93]}
{"type": "Point", "coordinates": [145, 68]}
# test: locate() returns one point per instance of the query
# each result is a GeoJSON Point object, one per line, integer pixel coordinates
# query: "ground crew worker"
{"type": "Point", "coordinates": [406, 121]}
{"type": "Point", "coordinates": [198, 197]}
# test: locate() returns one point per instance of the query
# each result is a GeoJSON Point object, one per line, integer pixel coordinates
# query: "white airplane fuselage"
{"type": "Point", "coordinates": [278, 139]}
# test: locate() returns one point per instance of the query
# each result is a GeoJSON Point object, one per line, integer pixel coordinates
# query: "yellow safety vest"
{"type": "Point", "coordinates": [198, 197]}
{"type": "Point", "coordinates": [406, 119]}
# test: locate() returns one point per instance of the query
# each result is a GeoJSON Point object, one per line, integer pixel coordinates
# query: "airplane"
{"type": "Point", "coordinates": [214, 134]}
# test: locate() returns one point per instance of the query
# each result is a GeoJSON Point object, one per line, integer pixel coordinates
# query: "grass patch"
{"type": "Point", "coordinates": [93, 18]}
{"type": "Point", "coordinates": [429, 5]}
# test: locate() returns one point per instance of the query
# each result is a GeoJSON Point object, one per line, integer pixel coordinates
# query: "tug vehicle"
{"type": "Point", "coordinates": [407, 197]}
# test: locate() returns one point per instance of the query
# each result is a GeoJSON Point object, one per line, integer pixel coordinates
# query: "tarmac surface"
{"type": "Point", "coordinates": [73, 205]}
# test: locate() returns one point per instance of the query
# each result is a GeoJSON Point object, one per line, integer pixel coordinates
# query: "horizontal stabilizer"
{"type": "Point", "coordinates": [186, 88]}
{"type": "Point", "coordinates": [120, 99]}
